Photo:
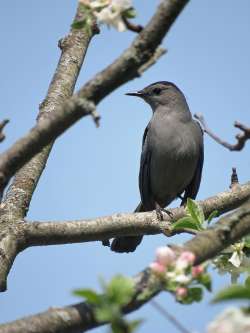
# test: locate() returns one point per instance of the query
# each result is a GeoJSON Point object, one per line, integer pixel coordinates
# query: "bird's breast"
{"type": "Point", "coordinates": [174, 157]}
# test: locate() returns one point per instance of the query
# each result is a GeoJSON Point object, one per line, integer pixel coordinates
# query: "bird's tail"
{"type": "Point", "coordinates": [127, 243]}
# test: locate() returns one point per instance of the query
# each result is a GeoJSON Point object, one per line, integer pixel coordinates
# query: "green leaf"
{"type": "Point", "coordinates": [134, 324]}
{"type": "Point", "coordinates": [195, 294]}
{"type": "Point", "coordinates": [233, 292]}
{"type": "Point", "coordinates": [214, 214]}
{"type": "Point", "coordinates": [205, 280]}
{"type": "Point", "coordinates": [130, 13]}
{"type": "Point", "coordinates": [247, 241]}
{"type": "Point", "coordinates": [247, 282]}
{"type": "Point", "coordinates": [90, 295]}
{"type": "Point", "coordinates": [79, 24]}
{"type": "Point", "coordinates": [195, 211]}
{"type": "Point", "coordinates": [104, 313]}
{"type": "Point", "coordinates": [120, 290]}
{"type": "Point", "coordinates": [185, 222]}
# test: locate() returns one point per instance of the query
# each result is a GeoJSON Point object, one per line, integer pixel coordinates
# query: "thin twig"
{"type": "Point", "coordinates": [241, 137]}
{"type": "Point", "coordinates": [2, 125]}
{"type": "Point", "coordinates": [122, 70]}
{"type": "Point", "coordinates": [172, 319]}
{"type": "Point", "coordinates": [160, 51]}
{"type": "Point", "coordinates": [234, 180]}
{"type": "Point", "coordinates": [131, 26]}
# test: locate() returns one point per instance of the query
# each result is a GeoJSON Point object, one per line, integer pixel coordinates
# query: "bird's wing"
{"type": "Point", "coordinates": [193, 188]}
{"type": "Point", "coordinates": [144, 175]}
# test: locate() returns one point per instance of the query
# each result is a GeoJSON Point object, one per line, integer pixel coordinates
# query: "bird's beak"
{"type": "Point", "coordinates": [136, 93]}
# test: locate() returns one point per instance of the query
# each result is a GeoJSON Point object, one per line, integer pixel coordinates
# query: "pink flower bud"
{"type": "Point", "coordinates": [197, 270]}
{"type": "Point", "coordinates": [181, 293]}
{"type": "Point", "coordinates": [165, 255]}
{"type": "Point", "coordinates": [157, 267]}
{"type": "Point", "coordinates": [187, 256]}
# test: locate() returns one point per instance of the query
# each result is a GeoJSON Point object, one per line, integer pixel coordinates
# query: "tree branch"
{"type": "Point", "coordinates": [80, 317]}
{"type": "Point", "coordinates": [64, 232]}
{"type": "Point", "coordinates": [50, 233]}
{"type": "Point", "coordinates": [74, 47]}
{"type": "Point", "coordinates": [125, 68]}
{"type": "Point", "coordinates": [241, 137]}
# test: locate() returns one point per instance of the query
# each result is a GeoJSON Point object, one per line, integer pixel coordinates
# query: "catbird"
{"type": "Point", "coordinates": [172, 154]}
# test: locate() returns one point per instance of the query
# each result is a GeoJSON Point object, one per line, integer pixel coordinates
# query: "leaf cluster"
{"type": "Point", "coordinates": [108, 305]}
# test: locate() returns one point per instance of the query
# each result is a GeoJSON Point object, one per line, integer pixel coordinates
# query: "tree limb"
{"type": "Point", "coordinates": [74, 47]}
{"type": "Point", "coordinates": [117, 225]}
{"type": "Point", "coordinates": [24, 235]}
{"type": "Point", "coordinates": [125, 68]}
{"type": "Point", "coordinates": [241, 137]}
{"type": "Point", "coordinates": [79, 317]}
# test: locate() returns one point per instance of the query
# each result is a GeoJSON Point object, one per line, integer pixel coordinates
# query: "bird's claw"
{"type": "Point", "coordinates": [106, 242]}
{"type": "Point", "coordinates": [159, 213]}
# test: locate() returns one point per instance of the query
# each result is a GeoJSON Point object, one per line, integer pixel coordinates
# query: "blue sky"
{"type": "Point", "coordinates": [94, 172]}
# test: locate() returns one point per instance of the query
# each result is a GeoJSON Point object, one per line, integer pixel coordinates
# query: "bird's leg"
{"type": "Point", "coordinates": [159, 211]}
{"type": "Point", "coordinates": [180, 197]}
{"type": "Point", "coordinates": [106, 242]}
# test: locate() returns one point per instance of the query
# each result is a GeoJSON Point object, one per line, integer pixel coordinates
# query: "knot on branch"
{"type": "Point", "coordinates": [160, 51]}
{"type": "Point", "coordinates": [89, 108]}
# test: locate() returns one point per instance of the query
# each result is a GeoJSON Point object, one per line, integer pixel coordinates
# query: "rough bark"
{"type": "Point", "coordinates": [20, 235]}
{"type": "Point", "coordinates": [125, 68]}
{"type": "Point", "coordinates": [74, 47]}
{"type": "Point", "coordinates": [62, 232]}
{"type": "Point", "coordinates": [80, 317]}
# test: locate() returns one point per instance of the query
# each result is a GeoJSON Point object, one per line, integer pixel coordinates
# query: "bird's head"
{"type": "Point", "coordinates": [160, 93]}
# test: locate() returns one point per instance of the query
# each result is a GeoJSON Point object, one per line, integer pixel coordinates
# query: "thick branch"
{"type": "Point", "coordinates": [62, 232]}
{"type": "Point", "coordinates": [125, 68]}
{"type": "Point", "coordinates": [8, 252]}
{"type": "Point", "coordinates": [74, 47]}
{"type": "Point", "coordinates": [79, 317]}
{"type": "Point", "coordinates": [241, 137]}
{"type": "Point", "coordinates": [65, 232]}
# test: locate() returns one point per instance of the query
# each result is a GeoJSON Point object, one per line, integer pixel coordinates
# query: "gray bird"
{"type": "Point", "coordinates": [172, 154]}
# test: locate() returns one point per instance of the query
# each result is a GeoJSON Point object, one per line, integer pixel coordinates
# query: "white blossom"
{"type": "Point", "coordinates": [238, 254]}
{"type": "Point", "coordinates": [183, 278]}
{"type": "Point", "coordinates": [232, 320]}
{"type": "Point", "coordinates": [165, 255]}
{"type": "Point", "coordinates": [109, 11]}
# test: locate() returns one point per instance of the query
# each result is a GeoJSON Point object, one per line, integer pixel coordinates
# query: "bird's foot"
{"type": "Point", "coordinates": [106, 242]}
{"type": "Point", "coordinates": [160, 211]}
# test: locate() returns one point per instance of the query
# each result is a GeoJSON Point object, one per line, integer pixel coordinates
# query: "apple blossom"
{"type": "Point", "coordinates": [197, 270]}
{"type": "Point", "coordinates": [183, 278]}
{"type": "Point", "coordinates": [181, 292]}
{"type": "Point", "coordinates": [232, 320]}
{"type": "Point", "coordinates": [157, 267]}
{"type": "Point", "coordinates": [109, 11]}
{"type": "Point", "coordinates": [165, 255]}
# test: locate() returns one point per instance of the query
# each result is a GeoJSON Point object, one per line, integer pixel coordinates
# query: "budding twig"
{"type": "Point", "coordinates": [241, 137]}
{"type": "Point", "coordinates": [132, 27]}
{"type": "Point", "coordinates": [234, 180]}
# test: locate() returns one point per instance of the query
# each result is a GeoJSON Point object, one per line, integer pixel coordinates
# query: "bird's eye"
{"type": "Point", "coordinates": [157, 91]}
